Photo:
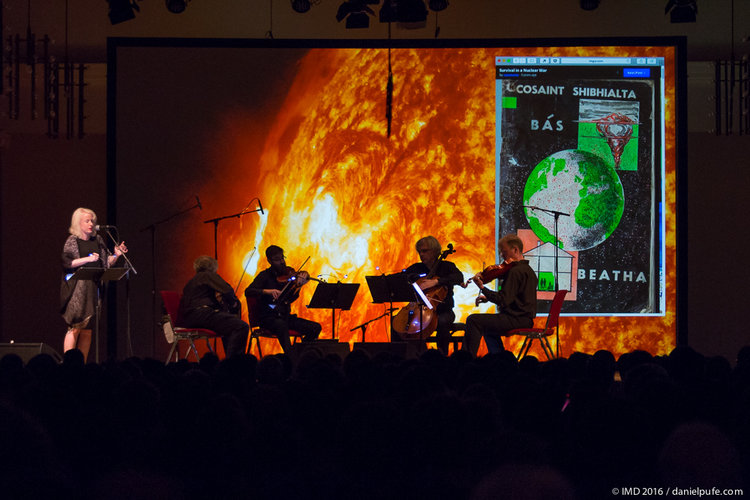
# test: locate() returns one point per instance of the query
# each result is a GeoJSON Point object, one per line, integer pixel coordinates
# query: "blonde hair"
{"type": "Point", "coordinates": [430, 242]}
{"type": "Point", "coordinates": [75, 221]}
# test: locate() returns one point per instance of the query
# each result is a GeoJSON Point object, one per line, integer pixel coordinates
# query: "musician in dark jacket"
{"type": "Point", "coordinates": [445, 274]}
{"type": "Point", "coordinates": [273, 310]}
{"type": "Point", "coordinates": [516, 300]}
{"type": "Point", "coordinates": [209, 302]}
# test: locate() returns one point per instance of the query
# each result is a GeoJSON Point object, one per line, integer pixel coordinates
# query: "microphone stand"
{"type": "Point", "coordinates": [556, 215]}
{"type": "Point", "coordinates": [129, 266]}
{"type": "Point", "coordinates": [216, 226]}
{"type": "Point", "coordinates": [152, 227]}
{"type": "Point", "coordinates": [363, 326]}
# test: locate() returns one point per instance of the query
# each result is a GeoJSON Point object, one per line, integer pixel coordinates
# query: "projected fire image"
{"type": "Point", "coordinates": [337, 189]}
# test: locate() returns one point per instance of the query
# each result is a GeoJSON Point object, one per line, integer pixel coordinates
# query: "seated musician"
{"type": "Point", "coordinates": [446, 275]}
{"type": "Point", "coordinates": [516, 300]}
{"type": "Point", "coordinates": [274, 309]}
{"type": "Point", "coordinates": [209, 302]}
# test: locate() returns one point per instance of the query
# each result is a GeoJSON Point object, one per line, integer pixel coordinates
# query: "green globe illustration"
{"type": "Point", "coordinates": [582, 185]}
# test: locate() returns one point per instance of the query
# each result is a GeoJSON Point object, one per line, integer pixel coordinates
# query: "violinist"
{"type": "Point", "coordinates": [516, 300]}
{"type": "Point", "coordinates": [445, 274]}
{"type": "Point", "coordinates": [209, 302]}
{"type": "Point", "coordinates": [275, 288]}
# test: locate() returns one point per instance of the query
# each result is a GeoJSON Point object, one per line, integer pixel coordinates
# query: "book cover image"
{"type": "Point", "coordinates": [577, 173]}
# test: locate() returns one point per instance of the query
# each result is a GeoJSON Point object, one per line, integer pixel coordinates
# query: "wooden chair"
{"type": "Point", "coordinates": [256, 332]}
{"type": "Point", "coordinates": [542, 334]}
{"type": "Point", "coordinates": [173, 333]}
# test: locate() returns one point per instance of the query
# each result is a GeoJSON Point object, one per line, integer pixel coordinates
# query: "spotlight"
{"type": "Point", "coordinates": [589, 4]}
{"type": "Point", "coordinates": [176, 6]}
{"type": "Point", "coordinates": [122, 10]}
{"type": "Point", "coordinates": [438, 5]}
{"type": "Point", "coordinates": [408, 13]}
{"type": "Point", "coordinates": [681, 11]}
{"type": "Point", "coordinates": [301, 6]}
{"type": "Point", "coordinates": [356, 13]}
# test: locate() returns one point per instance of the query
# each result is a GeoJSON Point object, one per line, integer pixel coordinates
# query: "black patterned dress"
{"type": "Point", "coordinates": [78, 297]}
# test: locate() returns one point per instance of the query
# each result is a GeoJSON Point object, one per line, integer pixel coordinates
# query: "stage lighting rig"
{"type": "Point", "coordinates": [681, 11]}
{"type": "Point", "coordinates": [408, 13]}
{"type": "Point", "coordinates": [356, 12]}
{"type": "Point", "coordinates": [176, 6]}
{"type": "Point", "coordinates": [300, 6]}
{"type": "Point", "coordinates": [122, 10]}
{"type": "Point", "coordinates": [589, 4]}
{"type": "Point", "coordinates": [438, 5]}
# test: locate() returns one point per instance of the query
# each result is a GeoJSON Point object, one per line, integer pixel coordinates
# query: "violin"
{"type": "Point", "coordinates": [489, 273]}
{"type": "Point", "coordinates": [294, 280]}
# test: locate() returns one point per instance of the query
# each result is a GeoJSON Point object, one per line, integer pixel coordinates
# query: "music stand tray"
{"type": "Point", "coordinates": [390, 288]}
{"type": "Point", "coordinates": [99, 273]}
{"type": "Point", "coordinates": [333, 296]}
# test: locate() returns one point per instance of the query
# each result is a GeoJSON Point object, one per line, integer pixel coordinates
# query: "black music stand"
{"type": "Point", "coordinates": [99, 275]}
{"type": "Point", "coordinates": [333, 296]}
{"type": "Point", "coordinates": [390, 288]}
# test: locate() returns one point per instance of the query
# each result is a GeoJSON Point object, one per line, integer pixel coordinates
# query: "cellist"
{"type": "Point", "coordinates": [275, 315]}
{"type": "Point", "coordinates": [445, 274]}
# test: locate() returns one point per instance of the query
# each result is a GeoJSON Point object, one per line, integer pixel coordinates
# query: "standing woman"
{"type": "Point", "coordinates": [83, 248]}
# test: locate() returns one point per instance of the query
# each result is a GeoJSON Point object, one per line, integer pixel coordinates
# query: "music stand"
{"type": "Point", "coordinates": [390, 288]}
{"type": "Point", "coordinates": [99, 275]}
{"type": "Point", "coordinates": [333, 296]}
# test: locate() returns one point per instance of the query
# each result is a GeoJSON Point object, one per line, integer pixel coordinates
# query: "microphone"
{"type": "Point", "coordinates": [100, 227]}
{"type": "Point", "coordinates": [198, 201]}
{"type": "Point", "coordinates": [261, 207]}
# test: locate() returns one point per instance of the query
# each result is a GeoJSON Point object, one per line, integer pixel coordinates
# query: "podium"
{"type": "Point", "coordinates": [333, 296]}
{"type": "Point", "coordinates": [99, 275]}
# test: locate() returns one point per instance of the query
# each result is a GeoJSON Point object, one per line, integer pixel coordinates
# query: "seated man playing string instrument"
{"type": "Point", "coordinates": [275, 288]}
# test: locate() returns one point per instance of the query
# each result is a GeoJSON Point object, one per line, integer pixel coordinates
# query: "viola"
{"type": "Point", "coordinates": [294, 280]}
{"type": "Point", "coordinates": [489, 273]}
{"type": "Point", "coordinates": [493, 272]}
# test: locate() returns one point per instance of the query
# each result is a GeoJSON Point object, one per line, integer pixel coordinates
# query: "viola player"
{"type": "Point", "coordinates": [273, 309]}
{"type": "Point", "coordinates": [445, 274]}
{"type": "Point", "coordinates": [516, 300]}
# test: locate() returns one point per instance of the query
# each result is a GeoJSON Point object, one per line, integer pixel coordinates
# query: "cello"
{"type": "Point", "coordinates": [415, 321]}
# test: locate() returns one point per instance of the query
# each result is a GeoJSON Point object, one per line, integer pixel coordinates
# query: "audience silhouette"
{"type": "Point", "coordinates": [373, 427]}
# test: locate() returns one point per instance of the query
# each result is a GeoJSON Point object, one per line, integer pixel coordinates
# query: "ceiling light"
{"type": "Point", "coordinates": [681, 11]}
{"type": "Point", "coordinates": [356, 12]}
{"type": "Point", "coordinates": [301, 6]}
{"type": "Point", "coordinates": [589, 4]}
{"type": "Point", "coordinates": [122, 10]}
{"type": "Point", "coordinates": [408, 13]}
{"type": "Point", "coordinates": [438, 5]}
{"type": "Point", "coordinates": [176, 6]}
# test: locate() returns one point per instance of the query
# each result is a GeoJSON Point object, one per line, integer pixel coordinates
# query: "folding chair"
{"type": "Point", "coordinates": [542, 334]}
{"type": "Point", "coordinates": [174, 334]}
{"type": "Point", "coordinates": [257, 332]}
